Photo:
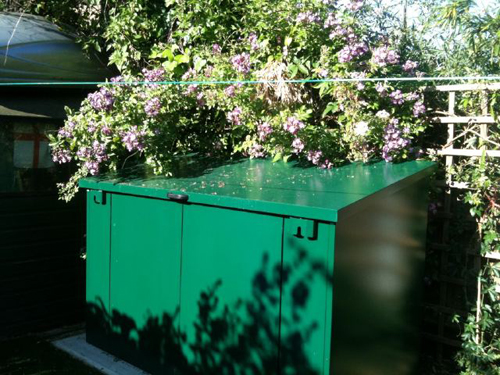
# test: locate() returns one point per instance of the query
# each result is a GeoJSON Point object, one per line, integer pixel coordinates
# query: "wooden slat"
{"type": "Point", "coordinates": [493, 255]}
{"type": "Point", "coordinates": [465, 120]}
{"type": "Point", "coordinates": [469, 87]}
{"type": "Point", "coordinates": [470, 153]}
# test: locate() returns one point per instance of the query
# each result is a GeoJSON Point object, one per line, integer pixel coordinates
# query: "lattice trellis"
{"type": "Point", "coordinates": [478, 126]}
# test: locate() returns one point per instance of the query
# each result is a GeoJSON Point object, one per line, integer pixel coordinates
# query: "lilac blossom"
{"type": "Point", "coordinates": [307, 17]}
{"type": "Point", "coordinates": [314, 156]}
{"type": "Point", "coordinates": [293, 125]}
{"type": "Point", "coordinates": [133, 139]}
{"type": "Point", "coordinates": [263, 130]}
{"type": "Point", "coordinates": [152, 107]}
{"type": "Point", "coordinates": [254, 43]}
{"type": "Point", "coordinates": [64, 132]}
{"type": "Point", "coordinates": [200, 99]}
{"type": "Point", "coordinates": [383, 56]}
{"type": "Point", "coordinates": [323, 73]}
{"type": "Point", "coordinates": [331, 21]}
{"type": "Point", "coordinates": [351, 51]}
{"type": "Point", "coordinates": [208, 71]}
{"type": "Point", "coordinates": [153, 75]}
{"type": "Point", "coordinates": [381, 89]}
{"type": "Point", "coordinates": [397, 97]}
{"type": "Point", "coordinates": [418, 109]}
{"type": "Point", "coordinates": [297, 145]}
{"type": "Point", "coordinates": [101, 100]}
{"type": "Point", "coordinates": [190, 73]}
{"type": "Point", "coordinates": [191, 89]}
{"type": "Point", "coordinates": [410, 66]}
{"type": "Point", "coordinates": [354, 5]}
{"type": "Point", "coordinates": [234, 116]}
{"type": "Point", "coordinates": [359, 75]}
{"type": "Point", "coordinates": [241, 63]}
{"type": "Point", "coordinates": [216, 49]}
{"type": "Point", "coordinates": [230, 91]}
{"type": "Point", "coordinates": [326, 164]}
{"type": "Point", "coordinates": [394, 140]}
{"type": "Point", "coordinates": [256, 151]}
{"type": "Point", "coordinates": [412, 96]}
{"type": "Point", "coordinates": [61, 156]}
{"type": "Point", "coordinates": [93, 156]}
{"type": "Point", "coordinates": [106, 130]}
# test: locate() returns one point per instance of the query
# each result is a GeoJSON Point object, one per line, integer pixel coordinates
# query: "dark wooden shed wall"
{"type": "Point", "coordinates": [42, 276]}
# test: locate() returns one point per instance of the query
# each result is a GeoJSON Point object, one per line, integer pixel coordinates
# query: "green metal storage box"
{"type": "Point", "coordinates": [254, 267]}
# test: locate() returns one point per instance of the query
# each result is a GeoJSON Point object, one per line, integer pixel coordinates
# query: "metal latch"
{"type": "Point", "coordinates": [306, 229]}
{"type": "Point", "coordinates": [100, 197]}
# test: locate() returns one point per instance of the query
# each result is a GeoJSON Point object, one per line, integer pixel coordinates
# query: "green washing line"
{"type": "Point", "coordinates": [250, 82]}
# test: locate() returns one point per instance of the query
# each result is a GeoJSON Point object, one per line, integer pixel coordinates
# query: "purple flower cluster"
{"type": "Point", "coordinates": [418, 109]}
{"type": "Point", "coordinates": [326, 164]}
{"type": "Point", "coordinates": [191, 89]}
{"type": "Point", "coordinates": [397, 97]}
{"type": "Point", "coordinates": [153, 75]}
{"type": "Point", "coordinates": [293, 125]}
{"type": "Point", "coordinates": [410, 66]}
{"type": "Point", "coordinates": [241, 63]}
{"type": "Point", "coordinates": [393, 140]}
{"type": "Point", "coordinates": [412, 96]}
{"type": "Point", "coordinates": [257, 151]}
{"type": "Point", "coordinates": [314, 156]}
{"type": "Point", "coordinates": [61, 156]}
{"type": "Point", "coordinates": [254, 42]}
{"type": "Point", "coordinates": [208, 71]}
{"type": "Point", "coordinates": [216, 49]}
{"type": "Point", "coordinates": [352, 51]}
{"type": "Point", "coordinates": [200, 99]}
{"type": "Point", "coordinates": [101, 100]}
{"type": "Point", "coordinates": [264, 129]}
{"type": "Point", "coordinates": [234, 116]}
{"type": "Point", "coordinates": [106, 130]}
{"type": "Point", "coordinates": [338, 29]}
{"type": "Point", "coordinates": [67, 130]}
{"type": "Point", "coordinates": [190, 73]}
{"type": "Point", "coordinates": [359, 75]}
{"type": "Point", "coordinates": [230, 91]}
{"type": "Point", "coordinates": [381, 89]}
{"type": "Point", "coordinates": [133, 139]}
{"type": "Point", "coordinates": [152, 107]}
{"type": "Point", "coordinates": [383, 56]}
{"type": "Point", "coordinates": [297, 145]}
{"type": "Point", "coordinates": [93, 156]}
{"type": "Point", "coordinates": [307, 17]}
{"type": "Point", "coordinates": [354, 5]}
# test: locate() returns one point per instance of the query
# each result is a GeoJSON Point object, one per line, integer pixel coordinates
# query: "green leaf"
{"type": "Point", "coordinates": [277, 157]}
{"type": "Point", "coordinates": [182, 58]}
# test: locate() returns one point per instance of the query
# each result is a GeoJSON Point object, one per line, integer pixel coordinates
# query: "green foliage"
{"type": "Point", "coordinates": [326, 124]}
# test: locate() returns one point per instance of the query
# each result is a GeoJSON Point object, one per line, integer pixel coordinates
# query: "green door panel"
{"type": "Point", "coordinates": [98, 237]}
{"type": "Point", "coordinates": [308, 249]}
{"type": "Point", "coordinates": [230, 290]}
{"type": "Point", "coordinates": [145, 260]}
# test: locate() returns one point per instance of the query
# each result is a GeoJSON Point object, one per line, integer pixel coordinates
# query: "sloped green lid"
{"type": "Point", "coordinates": [274, 188]}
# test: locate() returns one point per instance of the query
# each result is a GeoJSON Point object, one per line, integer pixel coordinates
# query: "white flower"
{"type": "Point", "coordinates": [361, 128]}
{"type": "Point", "coordinates": [383, 114]}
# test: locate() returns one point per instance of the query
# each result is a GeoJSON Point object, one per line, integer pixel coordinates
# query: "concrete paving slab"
{"type": "Point", "coordinates": [108, 364]}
